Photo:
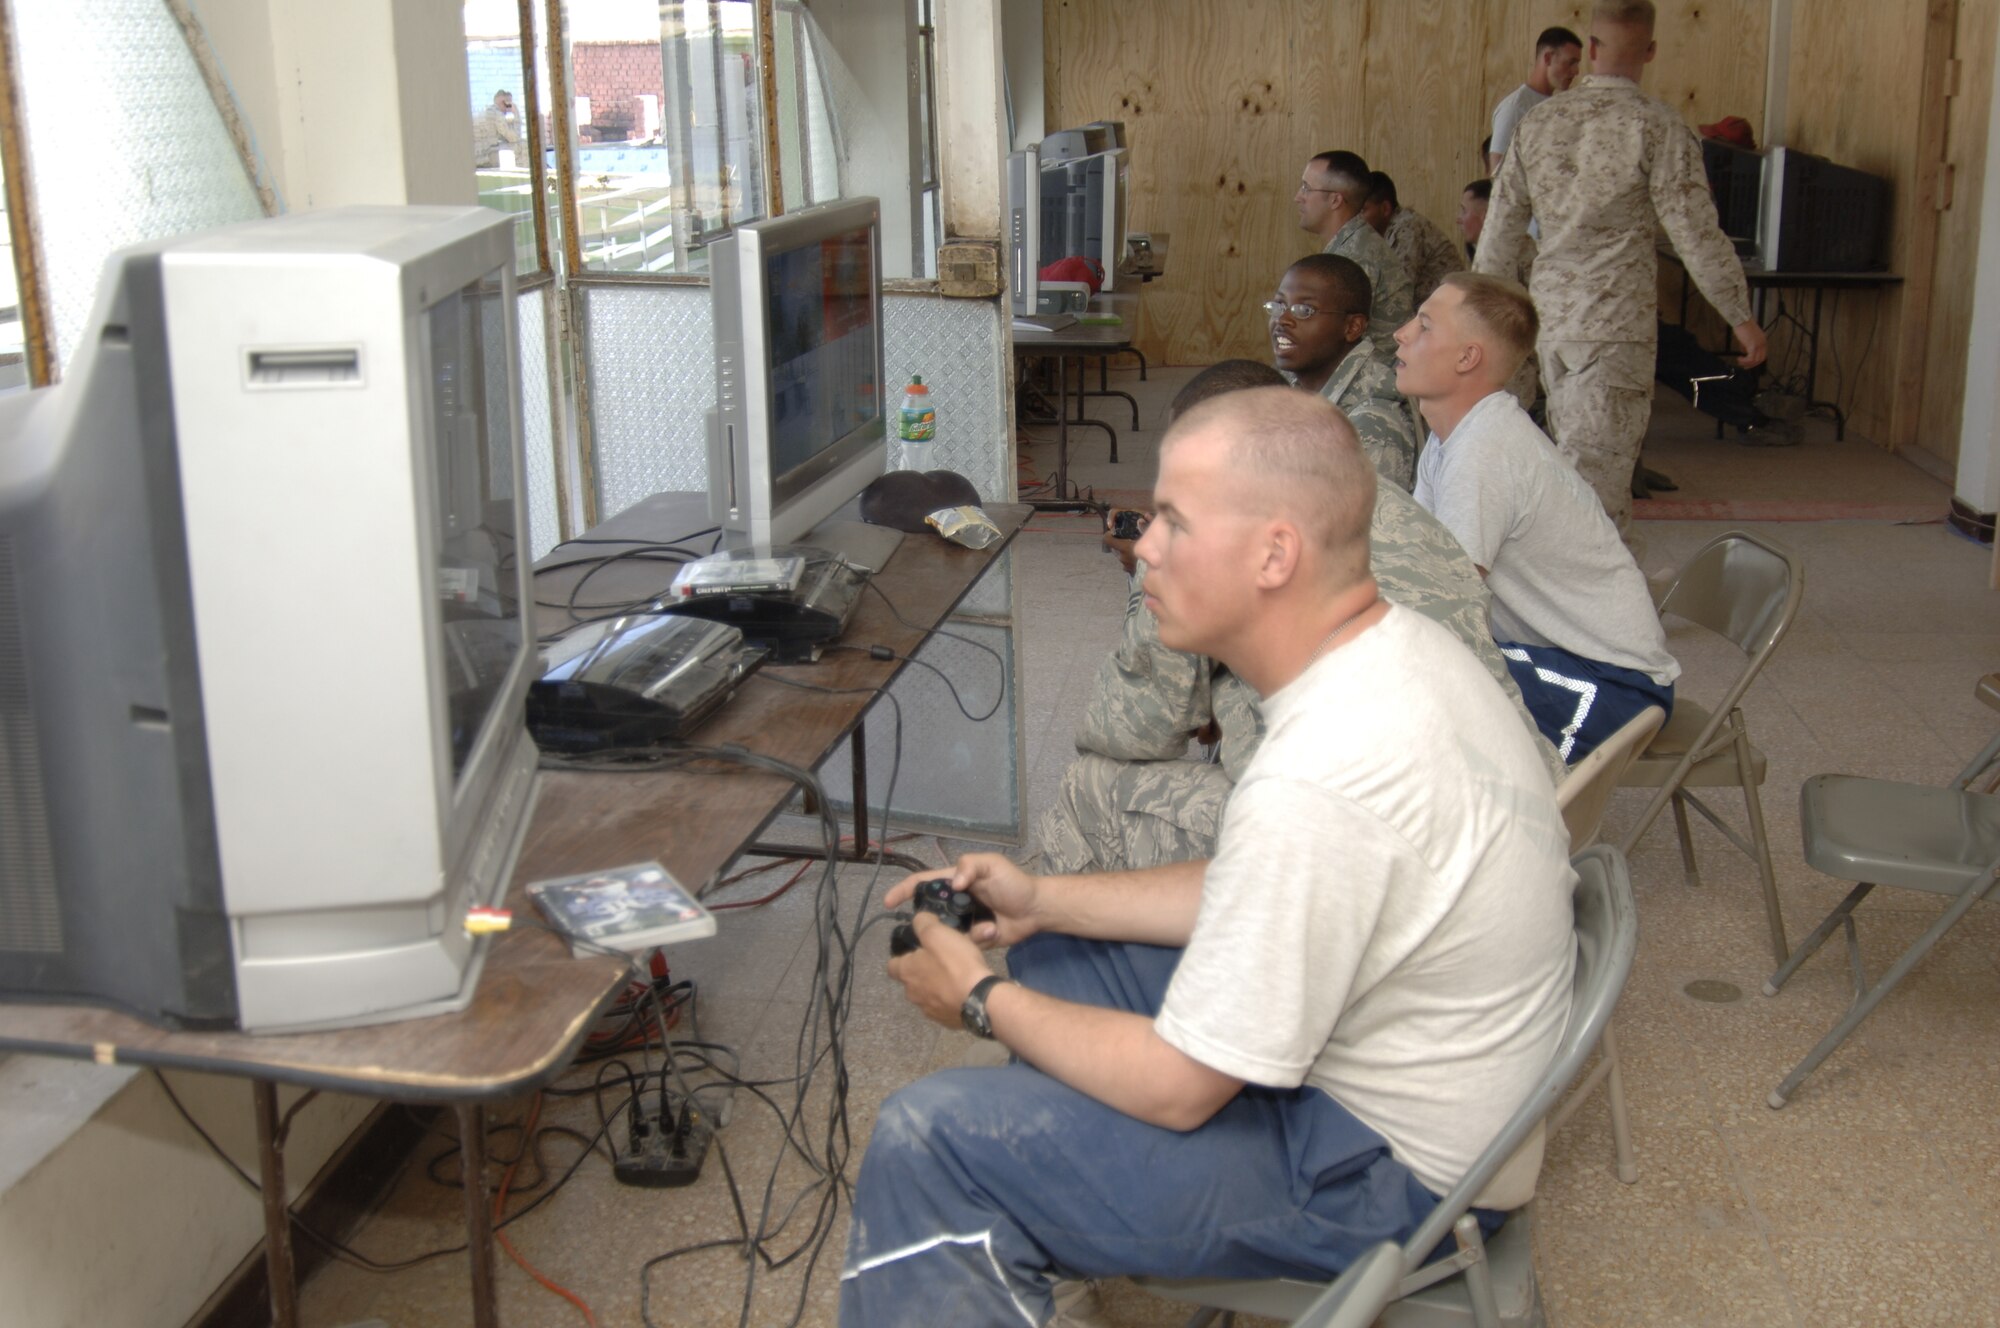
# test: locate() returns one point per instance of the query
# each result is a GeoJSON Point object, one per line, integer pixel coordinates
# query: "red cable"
{"type": "Point", "coordinates": [500, 1205]}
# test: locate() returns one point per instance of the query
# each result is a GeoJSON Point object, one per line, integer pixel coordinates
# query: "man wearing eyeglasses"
{"type": "Point", "coordinates": [1319, 341]}
{"type": "Point", "coordinates": [1332, 189]}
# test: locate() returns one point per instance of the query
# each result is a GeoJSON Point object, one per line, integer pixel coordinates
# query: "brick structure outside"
{"type": "Point", "coordinates": [614, 75]}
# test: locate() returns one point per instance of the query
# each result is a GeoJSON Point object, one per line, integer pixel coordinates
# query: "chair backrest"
{"type": "Point", "coordinates": [1586, 790]}
{"type": "Point", "coordinates": [1607, 935]}
{"type": "Point", "coordinates": [1740, 587]}
{"type": "Point", "coordinates": [1358, 1297]}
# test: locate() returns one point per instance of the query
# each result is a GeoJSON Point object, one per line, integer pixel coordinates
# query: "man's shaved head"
{"type": "Point", "coordinates": [1293, 455]}
{"type": "Point", "coordinates": [1621, 31]}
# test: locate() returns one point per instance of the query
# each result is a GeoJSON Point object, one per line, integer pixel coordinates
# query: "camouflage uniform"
{"type": "Point", "coordinates": [1387, 278]}
{"type": "Point", "coordinates": [1425, 249]}
{"type": "Point", "coordinates": [1130, 801]}
{"type": "Point", "coordinates": [1594, 167]}
{"type": "Point", "coordinates": [1363, 385]}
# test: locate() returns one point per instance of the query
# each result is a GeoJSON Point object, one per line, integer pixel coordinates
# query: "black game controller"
{"type": "Point", "coordinates": [1125, 525]}
{"type": "Point", "coordinates": [954, 908]}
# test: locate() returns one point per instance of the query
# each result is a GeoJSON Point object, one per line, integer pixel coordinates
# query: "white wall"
{"type": "Point", "coordinates": [1021, 48]}
{"type": "Point", "coordinates": [872, 49]}
{"type": "Point", "coordinates": [1979, 424]}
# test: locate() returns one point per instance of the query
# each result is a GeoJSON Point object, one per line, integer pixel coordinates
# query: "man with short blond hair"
{"type": "Point", "coordinates": [1306, 1039]}
{"type": "Point", "coordinates": [1571, 612]}
{"type": "Point", "coordinates": [1595, 169]}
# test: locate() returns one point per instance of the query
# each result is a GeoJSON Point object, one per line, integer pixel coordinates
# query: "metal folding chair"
{"type": "Point", "coordinates": [1945, 841]}
{"type": "Point", "coordinates": [1745, 590]}
{"type": "Point", "coordinates": [1582, 797]}
{"type": "Point", "coordinates": [1487, 1283]}
{"type": "Point", "coordinates": [1357, 1296]}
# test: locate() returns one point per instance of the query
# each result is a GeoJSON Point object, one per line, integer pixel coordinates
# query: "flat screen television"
{"type": "Point", "coordinates": [1818, 217]}
{"type": "Point", "coordinates": [1024, 220]}
{"type": "Point", "coordinates": [800, 421]}
{"type": "Point", "coordinates": [264, 629]}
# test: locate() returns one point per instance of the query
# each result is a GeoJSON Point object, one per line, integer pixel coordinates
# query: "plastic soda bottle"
{"type": "Point", "coordinates": [916, 426]}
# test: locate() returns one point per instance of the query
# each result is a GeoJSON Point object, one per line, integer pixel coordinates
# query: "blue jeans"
{"type": "Point", "coordinates": [980, 1185]}
{"type": "Point", "coordinates": [1577, 703]}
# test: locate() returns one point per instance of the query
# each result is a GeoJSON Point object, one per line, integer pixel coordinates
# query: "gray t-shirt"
{"type": "Point", "coordinates": [1508, 114]}
{"type": "Point", "coordinates": [1559, 574]}
{"type": "Point", "coordinates": [1387, 916]}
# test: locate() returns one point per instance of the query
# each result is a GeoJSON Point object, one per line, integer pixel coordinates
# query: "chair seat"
{"type": "Point", "coordinates": [1652, 767]}
{"type": "Point", "coordinates": [1908, 835]}
{"type": "Point", "coordinates": [1510, 1252]}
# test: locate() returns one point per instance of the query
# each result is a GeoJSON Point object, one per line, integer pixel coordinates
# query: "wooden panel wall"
{"type": "Point", "coordinates": [1223, 104]}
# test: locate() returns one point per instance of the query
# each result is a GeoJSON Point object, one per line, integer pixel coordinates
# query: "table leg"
{"type": "Point", "coordinates": [478, 1216]}
{"type": "Point", "coordinates": [1062, 422]}
{"type": "Point", "coordinates": [857, 749]}
{"type": "Point", "coordinates": [278, 1265]}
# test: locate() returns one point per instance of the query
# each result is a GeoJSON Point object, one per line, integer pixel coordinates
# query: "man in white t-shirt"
{"type": "Point", "coordinates": [1571, 612]}
{"type": "Point", "coordinates": [1265, 1063]}
{"type": "Point", "coordinates": [1558, 56]}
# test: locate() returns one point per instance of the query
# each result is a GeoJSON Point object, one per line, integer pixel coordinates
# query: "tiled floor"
{"type": "Point", "coordinates": [1874, 1198]}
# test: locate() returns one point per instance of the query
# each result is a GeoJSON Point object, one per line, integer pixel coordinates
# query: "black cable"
{"type": "Point", "coordinates": [884, 653]}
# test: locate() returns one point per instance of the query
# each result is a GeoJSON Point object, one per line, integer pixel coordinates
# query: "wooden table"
{"type": "Point", "coordinates": [534, 1003]}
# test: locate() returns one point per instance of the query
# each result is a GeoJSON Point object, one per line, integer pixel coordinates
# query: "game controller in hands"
{"type": "Point", "coordinates": [956, 909]}
{"type": "Point", "coordinates": [1127, 524]}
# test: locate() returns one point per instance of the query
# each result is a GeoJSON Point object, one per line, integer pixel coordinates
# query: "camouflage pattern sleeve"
{"type": "Point", "coordinates": [1148, 699]}
{"type": "Point", "coordinates": [1426, 251]}
{"type": "Point", "coordinates": [1364, 387]}
{"type": "Point", "coordinates": [1686, 208]}
{"type": "Point", "coordinates": [1387, 278]}
{"type": "Point", "coordinates": [1503, 241]}
{"type": "Point", "coordinates": [1420, 565]}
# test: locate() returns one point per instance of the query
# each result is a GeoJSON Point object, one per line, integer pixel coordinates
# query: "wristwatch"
{"type": "Point", "coordinates": [973, 1013]}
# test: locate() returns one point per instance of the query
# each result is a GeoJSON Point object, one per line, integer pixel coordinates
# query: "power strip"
{"type": "Point", "coordinates": [663, 1157]}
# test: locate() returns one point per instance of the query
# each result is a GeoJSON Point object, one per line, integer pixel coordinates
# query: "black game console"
{"type": "Point", "coordinates": [956, 909]}
{"type": "Point", "coordinates": [792, 626]}
{"type": "Point", "coordinates": [634, 681]}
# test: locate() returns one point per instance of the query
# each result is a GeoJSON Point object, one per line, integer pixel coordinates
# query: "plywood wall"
{"type": "Point", "coordinates": [1224, 102]}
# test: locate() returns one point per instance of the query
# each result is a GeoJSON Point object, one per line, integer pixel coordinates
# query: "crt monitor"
{"type": "Point", "coordinates": [1816, 216]}
{"type": "Point", "coordinates": [1024, 221]}
{"type": "Point", "coordinates": [1083, 206]}
{"type": "Point", "coordinates": [264, 627]}
{"type": "Point", "coordinates": [800, 422]}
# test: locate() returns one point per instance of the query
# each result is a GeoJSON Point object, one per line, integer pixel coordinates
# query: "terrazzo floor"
{"type": "Point", "coordinates": [1874, 1198]}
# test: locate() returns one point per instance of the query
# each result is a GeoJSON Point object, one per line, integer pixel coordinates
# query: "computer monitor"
{"type": "Point", "coordinates": [1024, 223]}
{"type": "Point", "coordinates": [1084, 210]}
{"type": "Point", "coordinates": [1735, 178]}
{"type": "Point", "coordinates": [800, 421]}
{"type": "Point", "coordinates": [1816, 216]}
{"type": "Point", "coordinates": [264, 627]}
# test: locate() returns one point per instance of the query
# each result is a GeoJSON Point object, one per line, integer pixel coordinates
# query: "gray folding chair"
{"type": "Point", "coordinates": [1357, 1296]}
{"type": "Point", "coordinates": [1484, 1283]}
{"type": "Point", "coordinates": [1582, 797]}
{"type": "Point", "coordinates": [1945, 841]}
{"type": "Point", "coordinates": [1745, 590]}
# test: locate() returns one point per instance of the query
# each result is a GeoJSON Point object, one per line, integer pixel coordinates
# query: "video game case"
{"type": "Point", "coordinates": [632, 908]}
{"type": "Point", "coordinates": [726, 575]}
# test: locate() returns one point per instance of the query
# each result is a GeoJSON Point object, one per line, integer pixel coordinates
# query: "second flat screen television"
{"type": "Point", "coordinates": [800, 419]}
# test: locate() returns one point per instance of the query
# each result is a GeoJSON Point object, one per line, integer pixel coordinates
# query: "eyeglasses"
{"type": "Point", "coordinates": [1305, 188]}
{"type": "Point", "coordinates": [1304, 311]}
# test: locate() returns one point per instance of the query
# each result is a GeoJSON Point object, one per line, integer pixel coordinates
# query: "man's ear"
{"type": "Point", "coordinates": [1283, 545]}
{"type": "Point", "coordinates": [1356, 328]}
{"type": "Point", "coordinates": [1470, 356]}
